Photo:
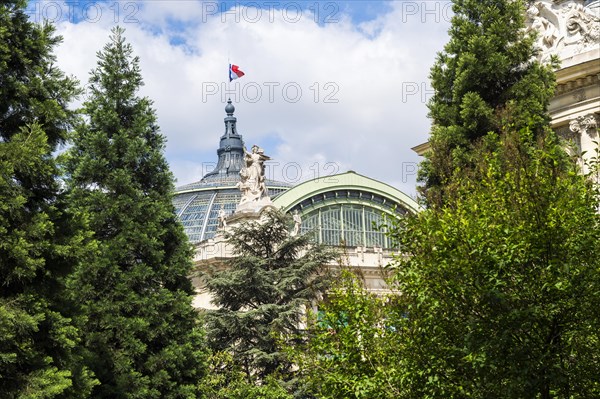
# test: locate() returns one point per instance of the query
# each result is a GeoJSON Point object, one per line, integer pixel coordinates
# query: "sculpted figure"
{"type": "Point", "coordinates": [566, 28]}
{"type": "Point", "coordinates": [222, 218]}
{"type": "Point", "coordinates": [297, 223]}
{"type": "Point", "coordinates": [252, 175]}
{"type": "Point", "coordinates": [584, 25]}
{"type": "Point", "coordinates": [548, 32]}
{"type": "Point", "coordinates": [585, 124]}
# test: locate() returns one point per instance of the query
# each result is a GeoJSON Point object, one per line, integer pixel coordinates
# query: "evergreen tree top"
{"type": "Point", "coordinates": [262, 293]}
{"type": "Point", "coordinates": [486, 80]}
{"type": "Point", "coordinates": [118, 76]}
{"type": "Point", "coordinates": [121, 142]}
{"type": "Point", "coordinates": [32, 88]}
{"type": "Point", "coordinates": [140, 328]}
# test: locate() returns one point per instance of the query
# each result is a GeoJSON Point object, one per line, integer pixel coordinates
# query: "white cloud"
{"type": "Point", "coordinates": [376, 71]}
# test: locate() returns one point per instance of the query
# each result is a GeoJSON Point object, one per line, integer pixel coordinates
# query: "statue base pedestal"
{"type": "Point", "coordinates": [249, 212]}
{"type": "Point", "coordinates": [253, 206]}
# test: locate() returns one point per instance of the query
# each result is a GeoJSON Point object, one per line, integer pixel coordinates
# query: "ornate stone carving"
{"type": "Point", "coordinates": [252, 184]}
{"type": "Point", "coordinates": [578, 85]}
{"type": "Point", "coordinates": [222, 218]}
{"type": "Point", "coordinates": [297, 223]}
{"type": "Point", "coordinates": [585, 124]}
{"type": "Point", "coordinates": [566, 28]}
{"type": "Point", "coordinates": [547, 30]}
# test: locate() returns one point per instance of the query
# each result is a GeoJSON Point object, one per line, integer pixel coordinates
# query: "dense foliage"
{"type": "Point", "coordinates": [141, 332]}
{"type": "Point", "coordinates": [503, 285]}
{"type": "Point", "coordinates": [501, 273]}
{"type": "Point", "coordinates": [499, 279]}
{"type": "Point", "coordinates": [262, 293]}
{"type": "Point", "coordinates": [356, 344]}
{"type": "Point", "coordinates": [40, 242]}
{"type": "Point", "coordinates": [487, 79]}
{"type": "Point", "coordinates": [226, 379]}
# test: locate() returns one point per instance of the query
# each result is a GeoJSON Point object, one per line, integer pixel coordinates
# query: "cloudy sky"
{"type": "Point", "coordinates": [329, 86]}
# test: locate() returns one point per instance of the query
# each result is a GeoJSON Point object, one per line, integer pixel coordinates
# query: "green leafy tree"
{"type": "Point", "coordinates": [500, 275]}
{"type": "Point", "coordinates": [141, 332]}
{"type": "Point", "coordinates": [355, 344]}
{"type": "Point", "coordinates": [486, 80]}
{"type": "Point", "coordinates": [262, 294]}
{"type": "Point", "coordinates": [227, 380]}
{"type": "Point", "coordinates": [40, 242]}
{"type": "Point", "coordinates": [502, 284]}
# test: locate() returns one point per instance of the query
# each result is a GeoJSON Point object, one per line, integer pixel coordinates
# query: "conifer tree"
{"type": "Point", "coordinates": [141, 332]}
{"type": "Point", "coordinates": [262, 294]}
{"type": "Point", "coordinates": [486, 79]}
{"type": "Point", "coordinates": [40, 242]}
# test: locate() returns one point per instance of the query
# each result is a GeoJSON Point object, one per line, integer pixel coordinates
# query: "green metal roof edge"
{"type": "Point", "coordinates": [346, 201]}
{"type": "Point", "coordinates": [348, 180]}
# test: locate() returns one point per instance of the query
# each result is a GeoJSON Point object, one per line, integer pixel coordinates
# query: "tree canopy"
{"type": "Point", "coordinates": [141, 332]}
{"type": "Point", "coordinates": [487, 79]}
{"type": "Point", "coordinates": [355, 347]}
{"type": "Point", "coordinates": [502, 284]}
{"type": "Point", "coordinates": [40, 240]}
{"type": "Point", "coordinates": [262, 294]}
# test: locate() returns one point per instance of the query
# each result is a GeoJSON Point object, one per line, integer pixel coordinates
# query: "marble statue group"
{"type": "Point", "coordinates": [252, 183]}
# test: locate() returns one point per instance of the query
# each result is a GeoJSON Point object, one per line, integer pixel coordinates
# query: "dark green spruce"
{"type": "Point", "coordinates": [141, 333]}
{"type": "Point", "coordinates": [40, 242]}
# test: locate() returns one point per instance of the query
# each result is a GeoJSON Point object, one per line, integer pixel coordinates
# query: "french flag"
{"type": "Point", "coordinates": [234, 72]}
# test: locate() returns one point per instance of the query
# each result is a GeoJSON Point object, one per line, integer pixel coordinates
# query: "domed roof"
{"type": "Point", "coordinates": [197, 204]}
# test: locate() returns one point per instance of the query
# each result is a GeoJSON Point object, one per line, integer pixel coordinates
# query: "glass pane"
{"type": "Point", "coordinates": [353, 226]}
{"type": "Point", "coordinates": [331, 226]}
{"type": "Point", "coordinates": [374, 218]}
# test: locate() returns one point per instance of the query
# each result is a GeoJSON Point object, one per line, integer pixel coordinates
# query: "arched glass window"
{"type": "Point", "coordinates": [346, 224]}
{"type": "Point", "coordinates": [373, 236]}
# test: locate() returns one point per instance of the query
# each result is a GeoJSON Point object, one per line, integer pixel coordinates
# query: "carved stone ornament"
{"type": "Point", "coordinates": [222, 218]}
{"type": "Point", "coordinates": [297, 223]}
{"type": "Point", "coordinates": [585, 124]}
{"type": "Point", "coordinates": [566, 28]}
{"type": "Point", "coordinates": [252, 181]}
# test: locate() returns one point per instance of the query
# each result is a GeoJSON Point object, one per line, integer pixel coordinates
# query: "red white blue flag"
{"type": "Point", "coordinates": [234, 72]}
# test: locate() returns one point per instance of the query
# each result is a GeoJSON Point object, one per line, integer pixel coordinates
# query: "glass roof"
{"type": "Point", "coordinates": [197, 206]}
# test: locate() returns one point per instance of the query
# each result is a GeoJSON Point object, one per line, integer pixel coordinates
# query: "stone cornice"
{"type": "Point", "coordinates": [578, 76]}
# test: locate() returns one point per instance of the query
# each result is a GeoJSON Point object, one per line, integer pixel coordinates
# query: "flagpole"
{"type": "Point", "coordinates": [228, 73]}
